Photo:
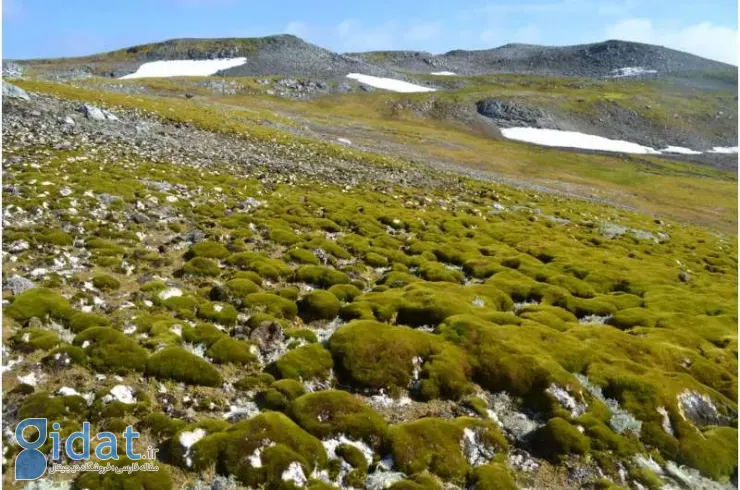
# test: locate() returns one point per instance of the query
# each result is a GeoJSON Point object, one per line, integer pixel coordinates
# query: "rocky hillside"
{"type": "Point", "coordinates": [598, 60]}
{"type": "Point", "coordinates": [272, 55]}
{"type": "Point", "coordinates": [291, 56]}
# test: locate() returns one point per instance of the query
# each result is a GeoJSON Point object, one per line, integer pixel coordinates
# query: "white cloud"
{"type": "Point", "coordinates": [703, 39]}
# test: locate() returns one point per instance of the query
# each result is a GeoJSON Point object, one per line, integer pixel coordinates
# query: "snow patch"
{"type": "Point", "coordinates": [184, 68]}
{"type": "Point", "coordinates": [666, 424]}
{"type": "Point", "coordinates": [30, 379]}
{"type": "Point", "coordinates": [294, 473]}
{"type": "Point", "coordinates": [255, 459]}
{"type": "Point", "coordinates": [680, 149]}
{"type": "Point", "coordinates": [389, 83]}
{"type": "Point", "coordinates": [573, 139]}
{"type": "Point", "coordinates": [444, 73]}
{"type": "Point", "coordinates": [241, 409]}
{"type": "Point", "coordinates": [170, 293]}
{"type": "Point", "coordinates": [187, 439]}
{"type": "Point", "coordinates": [331, 446]}
{"type": "Point", "coordinates": [121, 393]}
{"type": "Point", "coordinates": [631, 71]}
{"type": "Point", "coordinates": [724, 149]}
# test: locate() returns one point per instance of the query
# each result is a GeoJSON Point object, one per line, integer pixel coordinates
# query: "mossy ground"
{"type": "Point", "coordinates": [442, 293]}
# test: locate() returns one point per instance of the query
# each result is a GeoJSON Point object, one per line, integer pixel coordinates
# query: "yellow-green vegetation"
{"type": "Point", "coordinates": [277, 439]}
{"type": "Point", "coordinates": [319, 305]}
{"type": "Point", "coordinates": [304, 363]}
{"type": "Point", "coordinates": [231, 350]}
{"type": "Point", "coordinates": [434, 445]}
{"type": "Point", "coordinates": [445, 296]}
{"type": "Point", "coordinates": [180, 365]}
{"type": "Point", "coordinates": [341, 413]}
{"type": "Point", "coordinates": [494, 476]}
{"type": "Point", "coordinates": [558, 437]}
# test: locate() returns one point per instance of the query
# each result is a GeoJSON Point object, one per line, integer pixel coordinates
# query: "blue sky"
{"type": "Point", "coordinates": [50, 28]}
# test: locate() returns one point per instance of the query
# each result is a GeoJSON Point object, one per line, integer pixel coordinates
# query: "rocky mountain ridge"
{"type": "Point", "coordinates": [289, 55]}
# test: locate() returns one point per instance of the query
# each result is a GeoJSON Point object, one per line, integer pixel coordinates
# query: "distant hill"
{"type": "Point", "coordinates": [598, 60]}
{"type": "Point", "coordinates": [290, 56]}
{"type": "Point", "coordinates": [283, 54]}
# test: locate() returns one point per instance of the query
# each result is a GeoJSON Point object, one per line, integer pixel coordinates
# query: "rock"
{"type": "Point", "coordinates": [109, 115]}
{"type": "Point", "coordinates": [700, 409]}
{"type": "Point", "coordinates": [69, 120]}
{"type": "Point", "coordinates": [193, 236]}
{"type": "Point", "coordinates": [17, 284]}
{"type": "Point", "coordinates": [12, 70]}
{"type": "Point", "coordinates": [10, 91]}
{"type": "Point", "coordinates": [684, 276]}
{"type": "Point", "coordinates": [139, 218]}
{"type": "Point", "coordinates": [268, 335]}
{"type": "Point", "coordinates": [12, 190]}
{"type": "Point", "coordinates": [108, 199]}
{"type": "Point", "coordinates": [92, 112]}
{"type": "Point", "coordinates": [18, 246]}
{"type": "Point", "coordinates": [568, 401]}
{"type": "Point", "coordinates": [507, 114]}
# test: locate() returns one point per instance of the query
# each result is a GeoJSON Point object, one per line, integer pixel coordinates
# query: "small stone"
{"type": "Point", "coordinates": [108, 199]}
{"type": "Point", "coordinates": [18, 246]}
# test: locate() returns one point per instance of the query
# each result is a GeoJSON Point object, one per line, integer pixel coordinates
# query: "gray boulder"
{"type": "Point", "coordinates": [17, 284]}
{"type": "Point", "coordinates": [10, 91]}
{"type": "Point", "coordinates": [97, 114]}
{"type": "Point", "coordinates": [509, 114]}
{"type": "Point", "coordinates": [92, 112]}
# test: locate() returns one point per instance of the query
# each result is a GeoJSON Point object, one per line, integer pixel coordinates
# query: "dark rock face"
{"type": "Point", "coordinates": [508, 114]}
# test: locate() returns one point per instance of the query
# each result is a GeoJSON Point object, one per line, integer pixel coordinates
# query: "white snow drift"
{"type": "Point", "coordinates": [572, 139]}
{"type": "Point", "coordinates": [680, 149]}
{"type": "Point", "coordinates": [389, 83]}
{"type": "Point", "coordinates": [185, 68]}
{"type": "Point", "coordinates": [631, 71]}
{"type": "Point", "coordinates": [444, 73]}
{"type": "Point", "coordinates": [724, 149]}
